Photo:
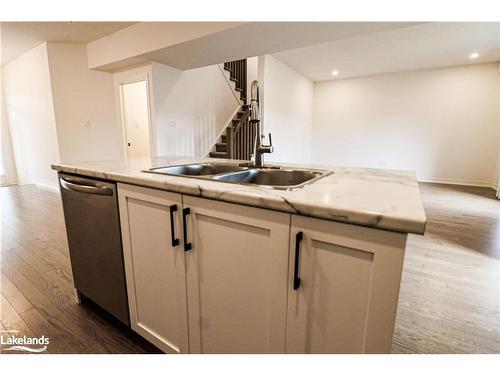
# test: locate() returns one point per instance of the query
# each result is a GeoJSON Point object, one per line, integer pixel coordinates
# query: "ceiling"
{"type": "Point", "coordinates": [354, 49]}
{"type": "Point", "coordinates": [422, 46]}
{"type": "Point", "coordinates": [259, 38]}
{"type": "Point", "coordinates": [20, 37]}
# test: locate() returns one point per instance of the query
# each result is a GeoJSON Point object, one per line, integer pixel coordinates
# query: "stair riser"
{"type": "Point", "coordinates": [221, 147]}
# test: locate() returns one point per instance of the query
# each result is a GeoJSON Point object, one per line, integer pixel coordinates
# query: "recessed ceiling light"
{"type": "Point", "coordinates": [473, 55]}
{"type": "Point", "coordinates": [335, 73]}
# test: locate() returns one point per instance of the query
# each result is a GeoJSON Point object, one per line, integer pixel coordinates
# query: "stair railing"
{"type": "Point", "coordinates": [238, 74]}
{"type": "Point", "coordinates": [240, 138]}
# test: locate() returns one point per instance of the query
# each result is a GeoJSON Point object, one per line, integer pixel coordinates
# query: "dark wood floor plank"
{"type": "Point", "coordinates": [11, 320]}
{"type": "Point", "coordinates": [60, 341]}
{"type": "Point", "coordinates": [18, 301]}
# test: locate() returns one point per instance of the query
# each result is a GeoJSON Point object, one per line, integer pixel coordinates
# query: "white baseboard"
{"type": "Point", "coordinates": [48, 185]}
{"type": "Point", "coordinates": [52, 186]}
{"type": "Point", "coordinates": [449, 181]}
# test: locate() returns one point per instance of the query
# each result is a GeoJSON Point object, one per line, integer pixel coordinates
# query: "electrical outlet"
{"type": "Point", "coordinates": [87, 124]}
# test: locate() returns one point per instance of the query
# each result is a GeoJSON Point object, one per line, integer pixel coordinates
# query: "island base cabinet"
{"type": "Point", "coordinates": [205, 276]}
{"type": "Point", "coordinates": [237, 271]}
{"type": "Point", "coordinates": [343, 287]}
{"type": "Point", "coordinates": [155, 265]}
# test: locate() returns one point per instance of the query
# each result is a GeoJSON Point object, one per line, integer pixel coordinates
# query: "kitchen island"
{"type": "Point", "coordinates": [218, 267]}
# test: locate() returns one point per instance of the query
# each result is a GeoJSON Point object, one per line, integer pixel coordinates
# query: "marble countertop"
{"type": "Point", "coordinates": [385, 199]}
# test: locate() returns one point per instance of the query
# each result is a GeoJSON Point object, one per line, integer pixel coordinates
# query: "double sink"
{"type": "Point", "coordinates": [276, 177]}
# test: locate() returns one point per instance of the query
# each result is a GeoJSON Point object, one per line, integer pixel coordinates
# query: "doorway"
{"type": "Point", "coordinates": [136, 118]}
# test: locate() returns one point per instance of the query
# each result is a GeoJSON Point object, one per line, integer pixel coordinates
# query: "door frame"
{"type": "Point", "coordinates": [124, 78]}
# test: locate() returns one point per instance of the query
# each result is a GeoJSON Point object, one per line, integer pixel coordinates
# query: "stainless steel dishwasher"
{"type": "Point", "coordinates": [95, 246]}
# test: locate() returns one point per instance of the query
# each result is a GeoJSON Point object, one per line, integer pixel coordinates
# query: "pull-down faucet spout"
{"type": "Point", "coordinates": [258, 147]}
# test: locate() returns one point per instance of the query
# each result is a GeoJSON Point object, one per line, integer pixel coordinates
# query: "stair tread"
{"type": "Point", "coordinates": [218, 154]}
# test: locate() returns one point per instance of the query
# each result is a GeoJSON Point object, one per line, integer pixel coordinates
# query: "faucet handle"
{"type": "Point", "coordinates": [269, 147]}
{"type": "Point", "coordinates": [262, 137]}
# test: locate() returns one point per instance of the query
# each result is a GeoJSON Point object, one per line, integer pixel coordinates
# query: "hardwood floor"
{"type": "Point", "coordinates": [37, 295]}
{"type": "Point", "coordinates": [449, 299]}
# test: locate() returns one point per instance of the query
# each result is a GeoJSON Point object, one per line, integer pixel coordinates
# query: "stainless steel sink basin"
{"type": "Point", "coordinates": [276, 178]}
{"type": "Point", "coordinates": [273, 177]}
{"type": "Point", "coordinates": [201, 169]}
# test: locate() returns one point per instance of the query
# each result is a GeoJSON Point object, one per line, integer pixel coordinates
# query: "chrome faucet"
{"type": "Point", "coordinates": [258, 147]}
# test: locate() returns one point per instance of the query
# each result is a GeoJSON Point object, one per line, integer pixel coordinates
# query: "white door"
{"type": "Point", "coordinates": [343, 287]}
{"type": "Point", "coordinates": [154, 264]}
{"type": "Point", "coordinates": [135, 107]}
{"type": "Point", "coordinates": [237, 277]}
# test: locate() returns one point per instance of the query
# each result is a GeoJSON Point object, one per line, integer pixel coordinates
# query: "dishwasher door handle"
{"type": "Point", "coordinates": [87, 187]}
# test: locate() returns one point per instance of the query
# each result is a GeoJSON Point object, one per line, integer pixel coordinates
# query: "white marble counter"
{"type": "Point", "coordinates": [384, 199]}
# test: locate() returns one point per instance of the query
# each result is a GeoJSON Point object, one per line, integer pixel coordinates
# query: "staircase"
{"type": "Point", "coordinates": [238, 74]}
{"type": "Point", "coordinates": [237, 142]}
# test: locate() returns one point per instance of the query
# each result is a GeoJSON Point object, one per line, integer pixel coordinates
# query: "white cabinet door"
{"type": "Point", "coordinates": [237, 277]}
{"type": "Point", "coordinates": [154, 265]}
{"type": "Point", "coordinates": [346, 298]}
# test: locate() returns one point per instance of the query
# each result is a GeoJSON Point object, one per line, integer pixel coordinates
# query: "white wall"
{"type": "Point", "coordinates": [191, 108]}
{"type": "Point", "coordinates": [252, 73]}
{"type": "Point", "coordinates": [287, 98]}
{"type": "Point", "coordinates": [8, 166]}
{"type": "Point", "coordinates": [442, 123]}
{"type": "Point", "coordinates": [30, 114]}
{"type": "Point", "coordinates": [498, 163]}
{"type": "Point", "coordinates": [84, 105]}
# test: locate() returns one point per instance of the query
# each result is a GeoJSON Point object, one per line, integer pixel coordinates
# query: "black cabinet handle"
{"type": "Point", "coordinates": [186, 211]}
{"type": "Point", "coordinates": [296, 279]}
{"type": "Point", "coordinates": [175, 241]}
